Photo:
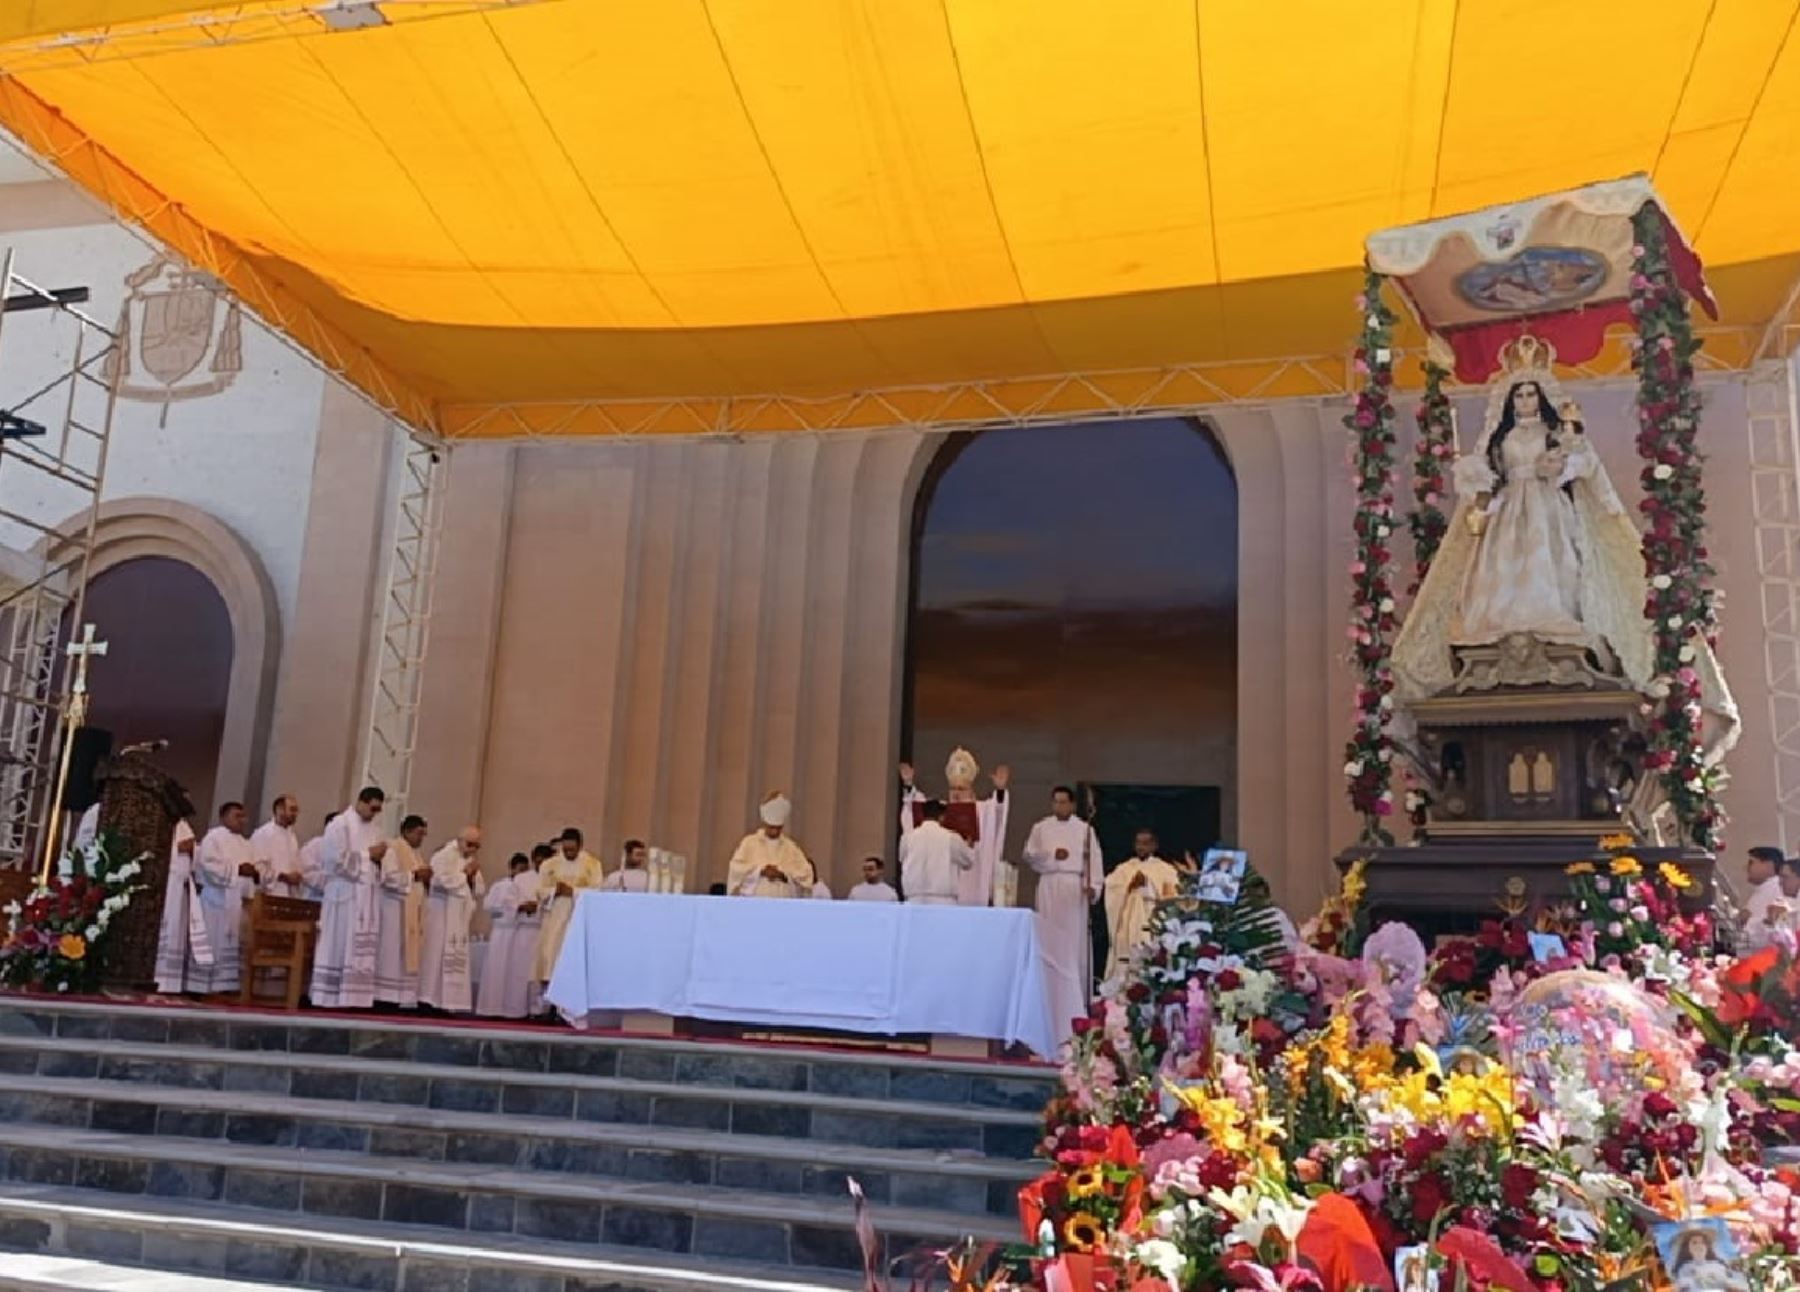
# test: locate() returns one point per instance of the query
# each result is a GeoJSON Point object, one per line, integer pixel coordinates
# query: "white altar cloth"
{"type": "Point", "coordinates": [885, 968]}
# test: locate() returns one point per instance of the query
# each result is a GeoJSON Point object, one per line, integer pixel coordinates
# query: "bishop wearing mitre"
{"type": "Point", "coordinates": [768, 863]}
{"type": "Point", "coordinates": [981, 823]}
{"type": "Point", "coordinates": [1132, 892]}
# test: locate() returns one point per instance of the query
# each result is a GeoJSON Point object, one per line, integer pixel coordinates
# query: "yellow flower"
{"type": "Point", "coordinates": [71, 946]}
{"type": "Point", "coordinates": [1083, 1233]}
{"type": "Point", "coordinates": [1220, 1118]}
{"type": "Point", "coordinates": [1626, 866]}
{"type": "Point", "coordinates": [1087, 1180]}
{"type": "Point", "coordinates": [1579, 868]}
{"type": "Point", "coordinates": [1617, 842]}
{"type": "Point", "coordinates": [1675, 877]}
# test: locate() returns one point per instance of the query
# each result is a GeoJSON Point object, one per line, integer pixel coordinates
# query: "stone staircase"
{"type": "Point", "coordinates": [375, 1153]}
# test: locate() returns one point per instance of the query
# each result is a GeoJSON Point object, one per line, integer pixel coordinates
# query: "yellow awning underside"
{"type": "Point", "coordinates": [472, 206]}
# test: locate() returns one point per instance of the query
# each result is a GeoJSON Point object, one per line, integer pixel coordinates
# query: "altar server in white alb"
{"type": "Point", "coordinates": [874, 886]}
{"type": "Point", "coordinates": [404, 878]}
{"type": "Point", "coordinates": [276, 850]}
{"type": "Point", "coordinates": [350, 856]}
{"type": "Point", "coordinates": [1065, 853]}
{"type": "Point", "coordinates": [507, 987]}
{"type": "Point", "coordinates": [983, 819]}
{"type": "Point", "coordinates": [634, 875]}
{"type": "Point", "coordinates": [226, 873]}
{"type": "Point", "coordinates": [180, 915]}
{"type": "Point", "coordinates": [933, 860]}
{"type": "Point", "coordinates": [1133, 889]}
{"type": "Point", "coordinates": [310, 869]}
{"type": "Point", "coordinates": [456, 885]}
{"type": "Point", "coordinates": [768, 863]}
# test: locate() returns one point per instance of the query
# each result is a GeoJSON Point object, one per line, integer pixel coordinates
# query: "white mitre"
{"type": "Point", "coordinates": [962, 769]}
{"type": "Point", "coordinates": [776, 809]}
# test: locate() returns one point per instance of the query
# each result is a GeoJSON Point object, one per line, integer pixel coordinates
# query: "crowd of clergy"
{"type": "Point", "coordinates": [395, 923]}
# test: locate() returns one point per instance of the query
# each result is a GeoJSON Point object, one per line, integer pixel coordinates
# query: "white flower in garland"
{"type": "Point", "coordinates": [1661, 582]}
{"type": "Point", "coordinates": [1663, 471]}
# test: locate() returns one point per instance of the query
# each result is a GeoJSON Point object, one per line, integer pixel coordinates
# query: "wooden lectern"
{"type": "Point", "coordinates": [139, 806]}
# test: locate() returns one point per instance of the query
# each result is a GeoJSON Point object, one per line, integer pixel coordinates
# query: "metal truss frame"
{"type": "Point", "coordinates": [1775, 503]}
{"type": "Point", "coordinates": [393, 730]}
{"type": "Point", "coordinates": [65, 467]}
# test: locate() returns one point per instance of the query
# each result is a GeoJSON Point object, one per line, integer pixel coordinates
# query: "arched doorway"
{"type": "Point", "coordinates": [166, 674]}
{"type": "Point", "coordinates": [1074, 614]}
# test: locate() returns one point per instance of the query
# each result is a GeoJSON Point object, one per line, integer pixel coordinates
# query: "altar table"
{"type": "Point", "coordinates": [884, 968]}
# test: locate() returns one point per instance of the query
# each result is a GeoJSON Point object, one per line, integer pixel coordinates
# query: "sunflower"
{"type": "Point", "coordinates": [1626, 866]}
{"type": "Point", "coordinates": [1579, 868]}
{"type": "Point", "coordinates": [1085, 1182]}
{"type": "Point", "coordinates": [1083, 1233]}
{"type": "Point", "coordinates": [1675, 877]}
{"type": "Point", "coordinates": [1617, 842]}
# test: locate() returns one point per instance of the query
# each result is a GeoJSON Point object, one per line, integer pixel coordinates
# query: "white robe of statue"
{"type": "Point", "coordinates": [222, 890]}
{"type": "Point", "coordinates": [180, 911]}
{"type": "Point", "coordinates": [349, 922]}
{"type": "Point", "coordinates": [1068, 885]}
{"type": "Point", "coordinates": [509, 989]}
{"type": "Point", "coordinates": [443, 980]}
{"type": "Point", "coordinates": [1540, 545]}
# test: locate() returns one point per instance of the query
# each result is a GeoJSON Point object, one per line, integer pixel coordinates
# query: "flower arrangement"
{"type": "Point", "coordinates": [1368, 756]}
{"type": "Point", "coordinates": [1290, 1114]}
{"type": "Point", "coordinates": [57, 939]}
{"type": "Point", "coordinates": [1680, 603]}
{"type": "Point", "coordinates": [1432, 455]}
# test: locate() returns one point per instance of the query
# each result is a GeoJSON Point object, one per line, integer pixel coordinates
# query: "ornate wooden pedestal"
{"type": "Point", "coordinates": [1529, 778]}
{"type": "Point", "coordinates": [139, 806]}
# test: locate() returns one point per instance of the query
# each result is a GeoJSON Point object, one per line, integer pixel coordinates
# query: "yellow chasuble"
{"type": "Point", "coordinates": [1128, 909]}
{"type": "Point", "coordinates": [403, 859]}
{"type": "Point", "coordinates": [758, 850]}
{"type": "Point", "coordinates": [583, 871]}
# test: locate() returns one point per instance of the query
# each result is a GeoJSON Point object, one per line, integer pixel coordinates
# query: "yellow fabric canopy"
{"type": "Point", "coordinates": [480, 207]}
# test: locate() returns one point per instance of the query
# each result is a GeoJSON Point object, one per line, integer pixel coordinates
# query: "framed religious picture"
{"type": "Point", "coordinates": [1413, 1270]}
{"type": "Point", "coordinates": [1699, 1256]}
{"type": "Point", "coordinates": [1221, 875]}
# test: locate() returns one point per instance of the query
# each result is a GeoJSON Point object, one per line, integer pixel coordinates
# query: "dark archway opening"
{"type": "Point", "coordinates": [166, 674]}
{"type": "Point", "coordinates": [1073, 612]}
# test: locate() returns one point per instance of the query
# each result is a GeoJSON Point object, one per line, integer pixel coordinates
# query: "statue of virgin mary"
{"type": "Point", "coordinates": [1540, 547]}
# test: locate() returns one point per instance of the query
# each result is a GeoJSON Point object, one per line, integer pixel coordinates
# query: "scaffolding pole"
{"type": "Point", "coordinates": [58, 391]}
{"type": "Point", "coordinates": [393, 732]}
{"type": "Point", "coordinates": [1775, 506]}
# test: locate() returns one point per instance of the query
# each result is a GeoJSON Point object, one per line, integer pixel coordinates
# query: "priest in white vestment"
{"type": "Point", "coordinates": [1132, 892]}
{"type": "Point", "coordinates": [350, 856]}
{"type": "Point", "coordinates": [933, 860]}
{"type": "Point", "coordinates": [634, 875]}
{"type": "Point", "coordinates": [768, 863]}
{"type": "Point", "coordinates": [180, 912]}
{"type": "Point", "coordinates": [1769, 906]}
{"type": "Point", "coordinates": [1065, 853]}
{"type": "Point", "coordinates": [569, 870]}
{"type": "Point", "coordinates": [456, 885]}
{"type": "Point", "coordinates": [975, 886]}
{"type": "Point", "coordinates": [507, 989]}
{"type": "Point", "coordinates": [312, 871]}
{"type": "Point", "coordinates": [225, 873]}
{"type": "Point", "coordinates": [874, 886]}
{"type": "Point", "coordinates": [404, 878]}
{"type": "Point", "coordinates": [275, 849]}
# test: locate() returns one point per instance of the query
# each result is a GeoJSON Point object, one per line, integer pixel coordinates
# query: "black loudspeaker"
{"type": "Point", "coordinates": [89, 748]}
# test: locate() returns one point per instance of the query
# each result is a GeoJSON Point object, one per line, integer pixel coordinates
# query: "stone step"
{"type": "Point", "coordinates": [696, 1220]}
{"type": "Point", "coordinates": [279, 1075]}
{"type": "Point", "coordinates": [868, 1074]}
{"type": "Point", "coordinates": [955, 1180]}
{"type": "Point", "coordinates": [22, 1273]}
{"type": "Point", "coordinates": [194, 1240]}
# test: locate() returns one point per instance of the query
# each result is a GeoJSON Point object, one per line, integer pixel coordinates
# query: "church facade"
{"type": "Point", "coordinates": [646, 637]}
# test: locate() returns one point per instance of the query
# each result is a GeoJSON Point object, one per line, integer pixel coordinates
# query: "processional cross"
{"type": "Point", "coordinates": [74, 715]}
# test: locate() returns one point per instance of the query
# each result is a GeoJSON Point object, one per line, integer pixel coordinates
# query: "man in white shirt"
{"type": "Point", "coordinates": [349, 923]}
{"type": "Point", "coordinates": [225, 872]}
{"type": "Point", "coordinates": [1760, 869]}
{"type": "Point", "coordinates": [1065, 853]}
{"type": "Point", "coordinates": [874, 886]}
{"type": "Point", "coordinates": [933, 858]}
{"type": "Point", "coordinates": [455, 885]}
{"type": "Point", "coordinates": [275, 849]}
{"type": "Point", "coordinates": [634, 875]}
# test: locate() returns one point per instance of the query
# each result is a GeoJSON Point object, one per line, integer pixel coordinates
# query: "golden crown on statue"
{"type": "Point", "coordinates": [1525, 356]}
